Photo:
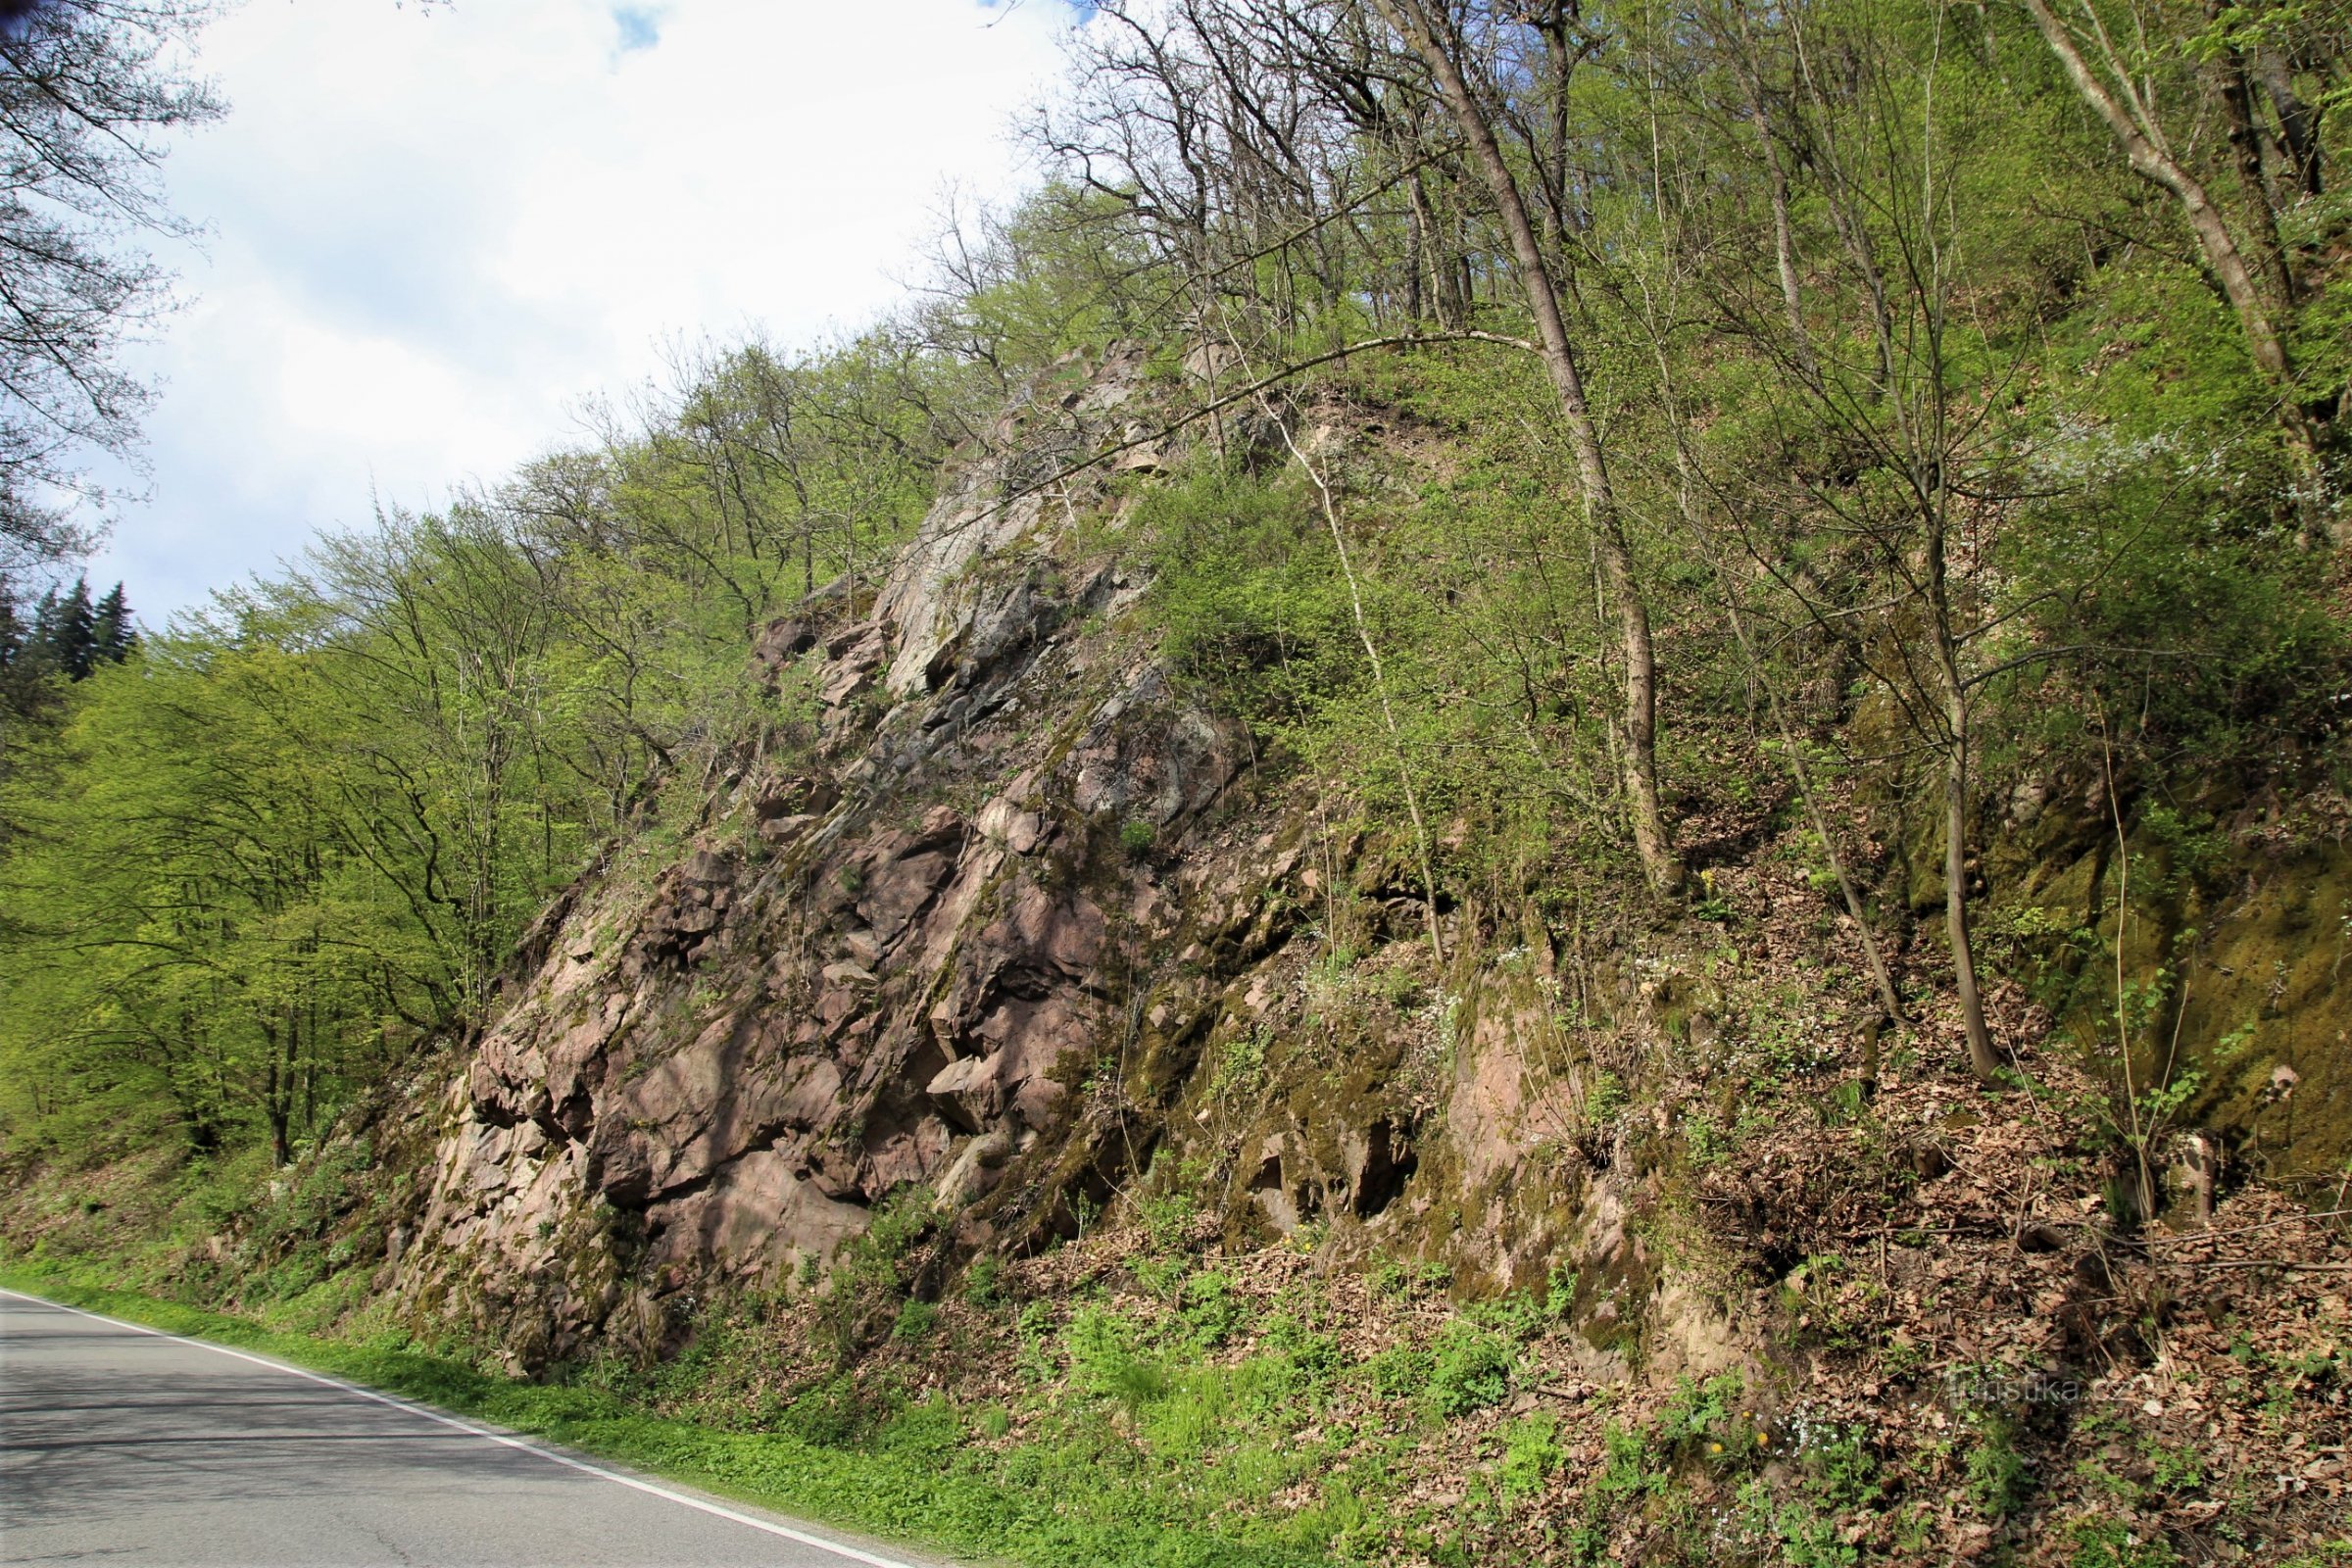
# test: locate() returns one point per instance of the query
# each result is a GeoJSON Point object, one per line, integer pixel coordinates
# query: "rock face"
{"type": "Point", "coordinates": [1003, 926]}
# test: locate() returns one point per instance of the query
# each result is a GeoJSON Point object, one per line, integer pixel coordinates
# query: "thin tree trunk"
{"type": "Point", "coordinates": [1380, 685]}
{"type": "Point", "coordinates": [1418, 240]}
{"type": "Point", "coordinates": [1687, 467]}
{"type": "Point", "coordinates": [2245, 141]}
{"type": "Point", "coordinates": [278, 1090]}
{"type": "Point", "coordinates": [1660, 863]}
{"type": "Point", "coordinates": [1982, 1061]}
{"type": "Point", "coordinates": [1783, 250]}
{"type": "Point", "coordinates": [1854, 906]}
{"type": "Point", "coordinates": [1784, 233]}
{"type": "Point", "coordinates": [2298, 126]}
{"type": "Point", "coordinates": [2143, 148]}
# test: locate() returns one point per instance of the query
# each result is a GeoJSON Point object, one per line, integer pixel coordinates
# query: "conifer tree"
{"type": "Point", "coordinates": [38, 658]}
{"type": "Point", "coordinates": [66, 631]}
{"type": "Point", "coordinates": [113, 634]}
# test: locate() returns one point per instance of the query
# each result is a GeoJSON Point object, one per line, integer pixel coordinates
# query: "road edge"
{"type": "Point", "coordinates": [801, 1532]}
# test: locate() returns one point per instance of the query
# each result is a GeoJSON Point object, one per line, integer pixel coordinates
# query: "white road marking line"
{"type": "Point", "coordinates": [851, 1554]}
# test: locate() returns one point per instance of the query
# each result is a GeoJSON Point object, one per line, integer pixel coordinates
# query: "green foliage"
{"type": "Point", "coordinates": [1243, 1060]}
{"type": "Point", "coordinates": [1709, 1144]}
{"type": "Point", "coordinates": [853, 1453]}
{"type": "Point", "coordinates": [1531, 1454]}
{"type": "Point", "coordinates": [1399, 1372]}
{"type": "Point", "coordinates": [984, 1281]}
{"type": "Point", "coordinates": [2333, 1555]}
{"type": "Point", "coordinates": [2110, 1544]}
{"type": "Point", "coordinates": [2174, 1468]}
{"type": "Point", "coordinates": [1247, 593]}
{"type": "Point", "coordinates": [1168, 1219]}
{"type": "Point", "coordinates": [1470, 1368]}
{"type": "Point", "coordinates": [1606, 1099]}
{"type": "Point", "coordinates": [1312, 1350]}
{"type": "Point", "coordinates": [832, 1413]}
{"type": "Point", "coordinates": [1209, 1312]}
{"type": "Point", "coordinates": [1702, 1413]}
{"type": "Point", "coordinates": [261, 855]}
{"type": "Point", "coordinates": [2000, 1480]}
{"type": "Point", "coordinates": [1626, 1471]}
{"type": "Point", "coordinates": [1559, 1292]}
{"type": "Point", "coordinates": [1106, 1358]}
{"type": "Point", "coordinates": [914, 1321]}
{"type": "Point", "coordinates": [1806, 1538]}
{"type": "Point", "coordinates": [865, 1294]}
{"type": "Point", "coordinates": [1843, 1468]}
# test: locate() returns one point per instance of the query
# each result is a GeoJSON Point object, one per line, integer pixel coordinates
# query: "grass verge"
{"type": "Point", "coordinates": [917, 1481]}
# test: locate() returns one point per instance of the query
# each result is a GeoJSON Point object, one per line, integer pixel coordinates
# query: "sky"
{"type": "Point", "coordinates": [431, 234]}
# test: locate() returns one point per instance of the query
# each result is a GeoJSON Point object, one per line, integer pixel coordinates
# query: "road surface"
{"type": "Point", "coordinates": [123, 1446]}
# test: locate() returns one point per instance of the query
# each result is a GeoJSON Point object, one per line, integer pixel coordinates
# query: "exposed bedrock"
{"type": "Point", "coordinates": [999, 933]}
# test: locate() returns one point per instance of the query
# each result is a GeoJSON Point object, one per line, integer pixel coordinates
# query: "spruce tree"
{"type": "Point", "coordinates": [113, 635]}
{"type": "Point", "coordinates": [68, 632]}
{"type": "Point", "coordinates": [40, 657]}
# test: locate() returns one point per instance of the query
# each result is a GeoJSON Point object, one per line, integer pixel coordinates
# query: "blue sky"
{"type": "Point", "coordinates": [431, 234]}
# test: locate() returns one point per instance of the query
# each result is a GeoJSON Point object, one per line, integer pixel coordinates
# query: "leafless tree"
{"type": "Point", "coordinates": [88, 89]}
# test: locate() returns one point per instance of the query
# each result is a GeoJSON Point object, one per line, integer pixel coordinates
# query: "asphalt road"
{"type": "Point", "coordinates": [122, 1446]}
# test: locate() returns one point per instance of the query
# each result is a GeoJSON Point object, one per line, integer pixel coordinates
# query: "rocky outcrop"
{"type": "Point", "coordinates": [1001, 927]}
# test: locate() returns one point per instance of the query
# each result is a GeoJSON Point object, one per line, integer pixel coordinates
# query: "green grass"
{"type": "Point", "coordinates": [924, 1477]}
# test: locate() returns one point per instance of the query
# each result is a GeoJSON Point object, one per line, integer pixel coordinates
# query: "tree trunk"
{"type": "Point", "coordinates": [1660, 863]}
{"type": "Point", "coordinates": [1982, 1061]}
{"type": "Point", "coordinates": [2143, 148]}
{"type": "Point", "coordinates": [1854, 906]}
{"type": "Point", "coordinates": [2298, 126]}
{"type": "Point", "coordinates": [278, 1093]}
{"type": "Point", "coordinates": [2245, 142]}
{"type": "Point", "coordinates": [1784, 232]}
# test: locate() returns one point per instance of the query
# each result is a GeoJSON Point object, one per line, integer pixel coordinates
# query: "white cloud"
{"type": "Point", "coordinates": [435, 232]}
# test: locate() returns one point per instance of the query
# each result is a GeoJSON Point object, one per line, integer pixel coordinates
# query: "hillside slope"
{"type": "Point", "coordinates": [1015, 1032]}
{"type": "Point", "coordinates": [1027, 931]}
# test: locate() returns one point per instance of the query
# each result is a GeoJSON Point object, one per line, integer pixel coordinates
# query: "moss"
{"type": "Point", "coordinates": [2233, 962]}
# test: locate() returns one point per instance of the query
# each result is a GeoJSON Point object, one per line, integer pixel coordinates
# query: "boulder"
{"type": "Point", "coordinates": [969, 1092]}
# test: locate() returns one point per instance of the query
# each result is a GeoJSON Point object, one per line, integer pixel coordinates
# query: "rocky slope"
{"type": "Point", "coordinates": [1630, 1236]}
{"type": "Point", "coordinates": [1006, 913]}
{"type": "Point", "coordinates": [997, 929]}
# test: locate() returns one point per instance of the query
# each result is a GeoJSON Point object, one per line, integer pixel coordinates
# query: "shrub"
{"type": "Point", "coordinates": [1168, 1219]}
{"type": "Point", "coordinates": [1470, 1368]}
{"type": "Point", "coordinates": [830, 1414]}
{"type": "Point", "coordinates": [1312, 1352]}
{"type": "Point", "coordinates": [1211, 1310]}
{"type": "Point", "coordinates": [984, 1281]}
{"type": "Point", "coordinates": [1999, 1477]}
{"type": "Point", "coordinates": [1105, 1360]}
{"type": "Point", "coordinates": [914, 1321]}
{"type": "Point", "coordinates": [1699, 1411]}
